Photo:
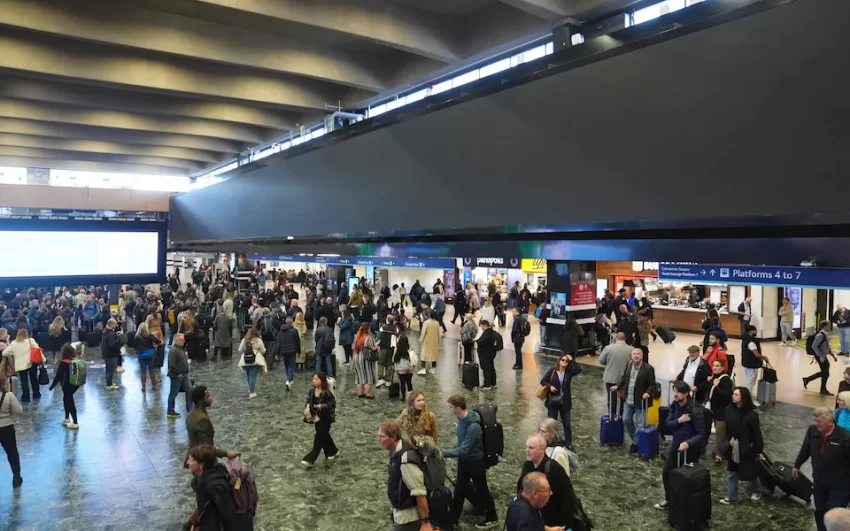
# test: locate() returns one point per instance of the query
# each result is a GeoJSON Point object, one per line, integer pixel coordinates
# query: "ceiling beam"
{"type": "Point", "coordinates": [39, 54]}
{"type": "Point", "coordinates": [226, 148]}
{"type": "Point", "coordinates": [54, 91]}
{"type": "Point", "coordinates": [546, 9]}
{"type": "Point", "coordinates": [111, 148]}
{"type": "Point", "coordinates": [44, 112]}
{"type": "Point", "coordinates": [84, 165]}
{"type": "Point", "coordinates": [57, 154]}
{"type": "Point", "coordinates": [378, 21]}
{"type": "Point", "coordinates": [171, 34]}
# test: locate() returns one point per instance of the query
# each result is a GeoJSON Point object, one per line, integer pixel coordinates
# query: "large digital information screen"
{"type": "Point", "coordinates": [56, 254]}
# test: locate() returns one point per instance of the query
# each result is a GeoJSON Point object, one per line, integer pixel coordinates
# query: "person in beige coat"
{"type": "Point", "coordinates": [430, 338]}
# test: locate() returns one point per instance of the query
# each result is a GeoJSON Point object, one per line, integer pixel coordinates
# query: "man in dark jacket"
{"type": "Point", "coordinates": [110, 347]}
{"type": "Point", "coordinates": [367, 310]}
{"type": "Point", "coordinates": [636, 385]}
{"type": "Point", "coordinates": [488, 346]}
{"type": "Point", "coordinates": [627, 325]}
{"type": "Point", "coordinates": [178, 374]}
{"type": "Point", "coordinates": [198, 423]}
{"type": "Point", "coordinates": [695, 372]}
{"type": "Point", "coordinates": [572, 331]}
{"type": "Point", "coordinates": [459, 304]}
{"type": "Point", "coordinates": [289, 346]}
{"type": "Point", "coordinates": [828, 446]}
{"type": "Point", "coordinates": [524, 509]}
{"type": "Point", "coordinates": [325, 344]}
{"type": "Point", "coordinates": [327, 311]}
{"type": "Point", "coordinates": [689, 435]}
{"type": "Point", "coordinates": [559, 511]}
{"type": "Point", "coordinates": [518, 332]}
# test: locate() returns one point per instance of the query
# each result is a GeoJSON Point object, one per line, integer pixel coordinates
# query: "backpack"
{"type": "Point", "coordinates": [500, 344]}
{"type": "Point", "coordinates": [331, 385]}
{"type": "Point", "coordinates": [172, 318]}
{"type": "Point", "coordinates": [329, 341]}
{"type": "Point", "coordinates": [386, 338]}
{"type": "Point", "coordinates": [266, 325]}
{"type": "Point", "coordinates": [250, 356]}
{"type": "Point", "coordinates": [810, 344]}
{"type": "Point", "coordinates": [434, 473]}
{"type": "Point", "coordinates": [77, 372]}
{"type": "Point", "coordinates": [244, 487]}
{"type": "Point", "coordinates": [493, 438]}
{"type": "Point", "coordinates": [524, 327]}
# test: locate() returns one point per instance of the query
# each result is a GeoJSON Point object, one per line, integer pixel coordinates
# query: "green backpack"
{"type": "Point", "coordinates": [77, 372]}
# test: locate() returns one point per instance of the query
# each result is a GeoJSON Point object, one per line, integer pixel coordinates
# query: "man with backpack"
{"type": "Point", "coordinates": [489, 344]}
{"type": "Point", "coordinates": [386, 349]}
{"type": "Point", "coordinates": [818, 346]}
{"type": "Point", "coordinates": [519, 330]}
{"type": "Point", "coordinates": [416, 482]}
{"type": "Point", "coordinates": [325, 345]}
{"type": "Point", "coordinates": [471, 465]}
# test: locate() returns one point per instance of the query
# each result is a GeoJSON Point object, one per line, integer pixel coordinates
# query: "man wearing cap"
{"type": "Point", "coordinates": [695, 373]}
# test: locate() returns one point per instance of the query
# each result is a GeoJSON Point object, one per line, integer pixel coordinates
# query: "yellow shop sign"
{"type": "Point", "coordinates": [534, 265]}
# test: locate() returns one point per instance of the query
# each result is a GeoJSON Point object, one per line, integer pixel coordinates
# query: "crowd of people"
{"type": "Point", "coordinates": [182, 325]}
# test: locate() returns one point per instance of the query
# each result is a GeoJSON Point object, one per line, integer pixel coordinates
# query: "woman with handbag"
{"type": "Point", "coordinates": [365, 360]}
{"type": "Point", "coordinates": [555, 387]}
{"type": "Point", "coordinates": [28, 356]}
{"type": "Point", "coordinates": [146, 345]}
{"type": "Point", "coordinates": [744, 446]}
{"type": "Point", "coordinates": [320, 409]}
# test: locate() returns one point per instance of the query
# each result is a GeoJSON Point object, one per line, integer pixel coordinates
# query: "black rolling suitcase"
{"type": "Point", "coordinates": [493, 437]}
{"type": "Point", "coordinates": [470, 377]}
{"type": "Point", "coordinates": [777, 474]}
{"type": "Point", "coordinates": [689, 506]}
{"type": "Point", "coordinates": [665, 334]}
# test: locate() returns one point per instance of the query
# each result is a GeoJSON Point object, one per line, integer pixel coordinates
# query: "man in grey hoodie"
{"type": "Point", "coordinates": [470, 462]}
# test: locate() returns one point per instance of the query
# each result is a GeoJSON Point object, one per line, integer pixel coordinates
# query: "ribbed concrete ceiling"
{"type": "Point", "coordinates": [172, 86]}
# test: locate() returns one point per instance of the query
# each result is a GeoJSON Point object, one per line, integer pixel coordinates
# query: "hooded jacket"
{"type": "Point", "coordinates": [470, 439]}
{"type": "Point", "coordinates": [216, 508]}
{"type": "Point", "coordinates": [288, 341]}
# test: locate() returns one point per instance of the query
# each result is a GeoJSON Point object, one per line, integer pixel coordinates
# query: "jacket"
{"type": "Point", "coordinates": [327, 311]}
{"type": "Point", "coordinates": [517, 337]}
{"type": "Point", "coordinates": [259, 349]}
{"type": "Point", "coordinates": [145, 342]}
{"type": "Point", "coordinates": [110, 347]}
{"type": "Point", "coordinates": [839, 316]}
{"type": "Point", "coordinates": [430, 339]}
{"type": "Point", "coordinates": [700, 378]}
{"type": "Point", "coordinates": [320, 334]}
{"type": "Point", "coordinates": [821, 345]}
{"type": "Point", "coordinates": [468, 331]}
{"type": "Point", "coordinates": [346, 331]}
{"type": "Point", "coordinates": [615, 357]}
{"type": "Point", "coordinates": [488, 313]}
{"type": "Point", "coordinates": [720, 397]}
{"type": "Point", "coordinates": [470, 439]}
{"type": "Point", "coordinates": [178, 363]}
{"type": "Point", "coordinates": [562, 395]}
{"type": "Point", "coordinates": [21, 353]}
{"type": "Point", "coordinates": [214, 497]}
{"type": "Point", "coordinates": [786, 314]}
{"type": "Point", "coordinates": [288, 341]}
{"type": "Point", "coordinates": [356, 299]}
{"type": "Point", "coordinates": [424, 424]}
{"type": "Point", "coordinates": [748, 359]}
{"type": "Point", "coordinates": [367, 312]}
{"type": "Point", "coordinates": [201, 431]}
{"type": "Point", "coordinates": [747, 430]}
{"type": "Point", "coordinates": [223, 335]}
{"type": "Point", "coordinates": [9, 407]}
{"type": "Point", "coordinates": [832, 469]}
{"type": "Point", "coordinates": [645, 382]}
{"type": "Point", "coordinates": [694, 431]}
{"type": "Point", "coordinates": [327, 401]}
{"type": "Point", "coordinates": [561, 508]}
{"type": "Point", "coordinates": [629, 328]}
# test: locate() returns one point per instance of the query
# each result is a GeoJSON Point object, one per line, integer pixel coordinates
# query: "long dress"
{"type": "Point", "coordinates": [365, 371]}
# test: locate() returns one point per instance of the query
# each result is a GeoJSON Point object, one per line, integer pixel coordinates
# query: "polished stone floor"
{"type": "Point", "coordinates": [123, 468]}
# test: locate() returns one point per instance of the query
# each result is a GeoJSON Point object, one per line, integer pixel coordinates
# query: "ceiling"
{"type": "Point", "coordinates": [174, 86]}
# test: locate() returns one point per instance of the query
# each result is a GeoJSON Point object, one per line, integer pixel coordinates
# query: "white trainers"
{"type": "Point", "coordinates": [381, 383]}
{"type": "Point", "coordinates": [756, 496]}
{"type": "Point", "coordinates": [433, 371]}
{"type": "Point", "coordinates": [66, 421]}
{"type": "Point", "coordinates": [756, 403]}
{"type": "Point", "coordinates": [72, 426]}
{"type": "Point", "coordinates": [252, 395]}
{"type": "Point", "coordinates": [119, 369]}
{"type": "Point", "coordinates": [288, 385]}
{"type": "Point", "coordinates": [112, 388]}
{"type": "Point", "coordinates": [422, 372]}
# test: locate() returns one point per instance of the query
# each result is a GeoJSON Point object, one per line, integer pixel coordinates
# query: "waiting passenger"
{"type": "Point", "coordinates": [524, 509]}
{"type": "Point", "coordinates": [364, 362]}
{"type": "Point", "coordinates": [252, 358]}
{"type": "Point", "coordinates": [560, 510]}
{"type": "Point", "coordinates": [519, 329]}
{"type": "Point", "coordinates": [695, 372]}
{"type": "Point", "coordinates": [19, 350]}
{"type": "Point", "coordinates": [62, 377]}
{"type": "Point", "coordinates": [325, 345]}
{"type": "Point", "coordinates": [637, 385]}
{"type": "Point", "coordinates": [288, 347]}
{"type": "Point", "coordinates": [198, 423]}
{"type": "Point", "coordinates": [404, 363]}
{"type": "Point", "coordinates": [146, 345]}
{"type": "Point", "coordinates": [745, 446]}
{"type": "Point", "coordinates": [223, 331]}
{"type": "Point", "coordinates": [719, 398]}
{"type": "Point", "coordinates": [752, 358]}
{"type": "Point", "coordinates": [9, 407]}
{"type": "Point", "coordinates": [555, 446]}
{"type": "Point", "coordinates": [178, 375]}
{"type": "Point", "coordinates": [489, 344]}
{"type": "Point", "coordinates": [417, 418]}
{"type": "Point", "coordinates": [429, 341]}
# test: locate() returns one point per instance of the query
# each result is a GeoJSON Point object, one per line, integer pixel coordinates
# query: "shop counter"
{"type": "Point", "coordinates": [690, 319]}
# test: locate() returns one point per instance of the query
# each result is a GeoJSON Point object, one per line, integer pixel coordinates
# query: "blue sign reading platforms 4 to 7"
{"type": "Point", "coordinates": [761, 275]}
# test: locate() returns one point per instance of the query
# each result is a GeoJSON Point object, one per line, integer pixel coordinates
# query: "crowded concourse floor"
{"type": "Point", "coordinates": [123, 469]}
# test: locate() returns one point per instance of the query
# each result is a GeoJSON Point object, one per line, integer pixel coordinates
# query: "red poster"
{"type": "Point", "coordinates": [582, 292]}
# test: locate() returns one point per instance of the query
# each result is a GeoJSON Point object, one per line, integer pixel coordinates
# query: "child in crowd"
{"type": "Point", "coordinates": [405, 361]}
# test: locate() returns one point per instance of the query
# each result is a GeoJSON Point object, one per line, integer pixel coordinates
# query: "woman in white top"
{"type": "Point", "coordinates": [255, 358]}
{"type": "Point", "coordinates": [19, 349]}
{"type": "Point", "coordinates": [9, 407]}
{"type": "Point", "coordinates": [555, 448]}
{"type": "Point", "coordinates": [488, 313]}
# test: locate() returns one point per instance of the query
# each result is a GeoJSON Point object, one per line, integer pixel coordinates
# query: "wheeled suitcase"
{"type": "Point", "coordinates": [470, 377]}
{"type": "Point", "coordinates": [395, 388]}
{"type": "Point", "coordinates": [766, 393]}
{"type": "Point", "coordinates": [778, 474]}
{"type": "Point", "coordinates": [459, 353]}
{"type": "Point", "coordinates": [689, 503]}
{"type": "Point", "coordinates": [611, 427]}
{"type": "Point", "coordinates": [665, 334]}
{"type": "Point", "coordinates": [493, 436]}
{"type": "Point", "coordinates": [648, 440]}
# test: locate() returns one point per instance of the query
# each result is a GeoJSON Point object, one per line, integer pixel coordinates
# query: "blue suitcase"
{"type": "Point", "coordinates": [611, 429]}
{"type": "Point", "coordinates": [648, 442]}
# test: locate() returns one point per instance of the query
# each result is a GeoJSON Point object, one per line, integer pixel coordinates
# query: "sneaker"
{"type": "Point", "coordinates": [713, 428]}
{"type": "Point", "coordinates": [421, 372]}
{"type": "Point", "coordinates": [72, 426]}
{"type": "Point", "coordinates": [332, 457]}
{"type": "Point", "coordinates": [756, 403]}
{"type": "Point", "coordinates": [381, 383]}
{"type": "Point", "coordinates": [113, 388]}
{"type": "Point", "coordinates": [288, 384]}
{"type": "Point", "coordinates": [252, 395]}
{"type": "Point", "coordinates": [487, 524]}
{"type": "Point", "coordinates": [433, 371]}
{"type": "Point", "coordinates": [827, 393]}
{"type": "Point", "coordinates": [66, 421]}
{"type": "Point", "coordinates": [486, 388]}
{"type": "Point", "coordinates": [784, 344]}
{"type": "Point", "coordinates": [805, 383]}
{"type": "Point", "coordinates": [756, 496]}
{"type": "Point", "coordinates": [173, 415]}
{"type": "Point", "coordinates": [307, 464]}
{"type": "Point", "coordinates": [16, 482]}
{"type": "Point", "coordinates": [189, 362]}
{"type": "Point", "coordinates": [661, 506]}
{"type": "Point", "coordinates": [726, 501]}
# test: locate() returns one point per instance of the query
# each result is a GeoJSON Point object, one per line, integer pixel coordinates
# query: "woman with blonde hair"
{"type": "Point", "coordinates": [417, 418]}
{"type": "Point", "coordinates": [19, 350]}
{"type": "Point", "coordinates": [146, 344]}
{"type": "Point", "coordinates": [364, 362]}
{"type": "Point", "coordinates": [58, 335]}
{"type": "Point", "coordinates": [189, 329]}
{"type": "Point", "coordinates": [488, 313]}
{"type": "Point", "coordinates": [301, 325]}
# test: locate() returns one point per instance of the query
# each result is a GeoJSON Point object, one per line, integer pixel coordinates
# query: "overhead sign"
{"type": "Point", "coordinates": [406, 263]}
{"type": "Point", "coordinates": [534, 265]}
{"type": "Point", "coordinates": [812, 277]}
{"type": "Point", "coordinates": [492, 261]}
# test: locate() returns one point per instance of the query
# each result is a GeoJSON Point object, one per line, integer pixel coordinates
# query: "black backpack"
{"type": "Point", "coordinates": [434, 474]}
{"type": "Point", "coordinates": [810, 344]}
{"type": "Point", "coordinates": [329, 341]}
{"type": "Point", "coordinates": [266, 325]}
{"type": "Point", "coordinates": [524, 327]}
{"type": "Point", "coordinates": [386, 338]}
{"type": "Point", "coordinates": [500, 345]}
{"type": "Point", "coordinates": [250, 356]}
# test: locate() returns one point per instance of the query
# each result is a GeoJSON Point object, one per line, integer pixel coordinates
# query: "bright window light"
{"type": "Point", "coordinates": [79, 179]}
{"type": "Point", "coordinates": [375, 111]}
{"type": "Point", "coordinates": [656, 10]}
{"type": "Point", "coordinates": [692, 2]}
{"type": "Point", "coordinates": [529, 55]}
{"type": "Point", "coordinates": [440, 87]}
{"type": "Point", "coordinates": [577, 38]}
{"type": "Point", "coordinates": [416, 96]}
{"type": "Point", "coordinates": [550, 48]}
{"type": "Point", "coordinates": [13, 175]}
{"type": "Point", "coordinates": [463, 79]}
{"type": "Point", "coordinates": [395, 104]}
{"type": "Point", "coordinates": [317, 133]}
{"type": "Point", "coordinates": [495, 68]}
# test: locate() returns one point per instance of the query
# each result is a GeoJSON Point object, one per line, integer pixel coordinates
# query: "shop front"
{"type": "Point", "coordinates": [503, 272]}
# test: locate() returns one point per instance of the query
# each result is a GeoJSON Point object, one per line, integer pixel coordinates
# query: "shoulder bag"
{"type": "Point", "coordinates": [543, 391]}
{"type": "Point", "coordinates": [36, 354]}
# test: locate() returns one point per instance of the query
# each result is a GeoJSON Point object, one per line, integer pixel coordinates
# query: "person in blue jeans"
{"type": "Point", "coordinates": [110, 347]}
{"type": "Point", "coordinates": [289, 346]}
{"type": "Point", "coordinates": [325, 344]}
{"type": "Point", "coordinates": [558, 401]}
{"type": "Point", "coordinates": [638, 384]}
{"type": "Point", "coordinates": [178, 373]}
{"type": "Point", "coordinates": [252, 352]}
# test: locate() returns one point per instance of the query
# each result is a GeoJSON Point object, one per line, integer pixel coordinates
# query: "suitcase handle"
{"type": "Point", "coordinates": [679, 457]}
{"type": "Point", "coordinates": [614, 405]}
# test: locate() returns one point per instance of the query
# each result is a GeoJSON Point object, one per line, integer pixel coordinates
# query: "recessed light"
{"type": "Point", "coordinates": [290, 237]}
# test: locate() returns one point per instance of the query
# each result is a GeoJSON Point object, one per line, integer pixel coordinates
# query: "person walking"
{"type": "Point", "coordinates": [745, 315]}
{"type": "Point", "coordinates": [9, 407]}
{"type": "Point", "coordinates": [561, 508]}
{"type": "Point", "coordinates": [62, 377]}
{"type": "Point", "coordinates": [300, 325]}
{"type": "Point", "coordinates": [828, 446]}
{"type": "Point", "coordinates": [146, 345]}
{"type": "Point", "coordinates": [364, 362]}
{"type": "Point", "coordinates": [519, 330]}
{"type": "Point", "coordinates": [418, 419]}
{"type": "Point", "coordinates": [346, 334]}
{"type": "Point", "coordinates": [404, 365]}
{"type": "Point", "coordinates": [288, 347]}
{"type": "Point", "coordinates": [559, 399]}
{"type": "Point", "coordinates": [821, 349]}
{"type": "Point", "coordinates": [252, 352]}
{"type": "Point", "coordinates": [223, 331]}
{"type": "Point", "coordinates": [752, 358]}
{"type": "Point", "coordinates": [20, 350]}
{"type": "Point", "coordinates": [556, 448]}
{"type": "Point", "coordinates": [786, 324]}
{"type": "Point", "coordinates": [471, 466]}
{"type": "Point", "coordinates": [460, 304]}
{"type": "Point", "coordinates": [488, 312]}
{"type": "Point", "coordinates": [746, 446]}
{"type": "Point", "coordinates": [320, 409]}
{"type": "Point", "coordinates": [386, 344]}
{"type": "Point", "coordinates": [198, 423]}
{"type": "Point", "coordinates": [178, 375]}
{"type": "Point", "coordinates": [215, 508]}
{"type": "Point", "coordinates": [325, 345]}
{"type": "Point", "coordinates": [429, 341]}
